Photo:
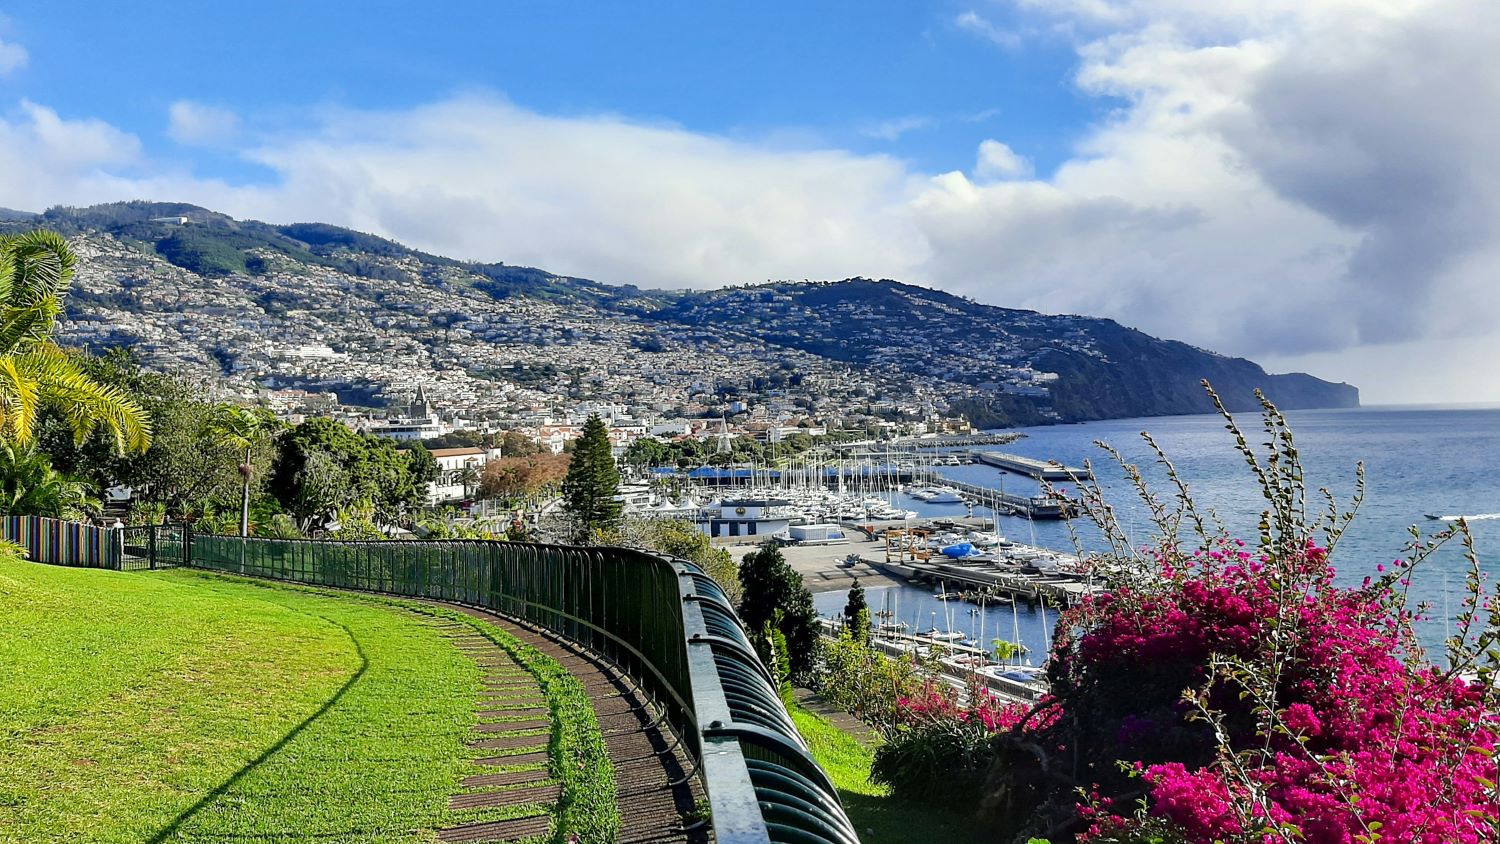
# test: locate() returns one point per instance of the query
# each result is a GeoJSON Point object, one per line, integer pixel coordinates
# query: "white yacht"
{"type": "Point", "coordinates": [944, 495]}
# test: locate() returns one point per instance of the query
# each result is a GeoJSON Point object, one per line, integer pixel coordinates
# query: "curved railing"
{"type": "Point", "coordinates": [665, 622]}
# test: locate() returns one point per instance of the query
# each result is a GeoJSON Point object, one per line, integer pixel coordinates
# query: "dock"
{"type": "Point", "coordinates": [1035, 507]}
{"type": "Point", "coordinates": [1056, 590]}
{"type": "Point", "coordinates": [1041, 470]}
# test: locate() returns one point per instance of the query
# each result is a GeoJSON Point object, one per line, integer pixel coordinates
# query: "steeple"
{"type": "Point", "coordinates": [420, 407]}
{"type": "Point", "coordinates": [726, 445]}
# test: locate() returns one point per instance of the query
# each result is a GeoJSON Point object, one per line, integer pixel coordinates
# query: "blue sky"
{"type": "Point", "coordinates": [899, 78]}
{"type": "Point", "coordinates": [1310, 183]}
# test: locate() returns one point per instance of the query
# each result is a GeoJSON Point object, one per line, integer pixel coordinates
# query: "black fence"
{"type": "Point", "coordinates": [152, 546]}
{"type": "Point", "coordinates": [664, 622]}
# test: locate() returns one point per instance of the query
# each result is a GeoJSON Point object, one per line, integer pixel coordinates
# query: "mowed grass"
{"type": "Point", "coordinates": [182, 706]}
{"type": "Point", "coordinates": [877, 817]}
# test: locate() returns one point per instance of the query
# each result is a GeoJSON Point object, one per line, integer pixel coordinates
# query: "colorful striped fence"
{"type": "Point", "coordinates": [62, 543]}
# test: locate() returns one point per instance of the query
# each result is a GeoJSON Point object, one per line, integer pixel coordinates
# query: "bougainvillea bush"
{"type": "Point", "coordinates": [1222, 691]}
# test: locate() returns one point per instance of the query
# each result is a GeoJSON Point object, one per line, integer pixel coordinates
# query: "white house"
{"type": "Point", "coordinates": [454, 464]}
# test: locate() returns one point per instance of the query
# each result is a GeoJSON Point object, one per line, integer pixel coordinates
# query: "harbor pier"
{"type": "Point", "coordinates": [1035, 507]}
{"type": "Point", "coordinates": [1041, 470]}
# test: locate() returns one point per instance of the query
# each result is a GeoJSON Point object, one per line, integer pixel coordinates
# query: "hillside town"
{"type": "Point", "coordinates": [417, 361]}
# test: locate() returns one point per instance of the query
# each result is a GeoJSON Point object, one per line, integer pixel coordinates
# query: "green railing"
{"type": "Point", "coordinates": [664, 622]}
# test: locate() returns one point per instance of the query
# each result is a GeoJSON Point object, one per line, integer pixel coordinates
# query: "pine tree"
{"type": "Point", "coordinates": [592, 484]}
{"type": "Point", "coordinates": [857, 614]}
{"type": "Point", "coordinates": [773, 593]}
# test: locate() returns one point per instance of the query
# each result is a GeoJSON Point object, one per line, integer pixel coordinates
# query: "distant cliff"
{"type": "Point", "coordinates": [1103, 370]}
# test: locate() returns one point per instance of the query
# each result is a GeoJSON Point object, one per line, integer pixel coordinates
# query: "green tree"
{"type": "Point", "coordinates": [357, 522]}
{"type": "Point", "coordinates": [857, 613]}
{"type": "Point", "coordinates": [322, 467]}
{"type": "Point", "coordinates": [591, 488]}
{"type": "Point", "coordinates": [36, 270]}
{"type": "Point", "coordinates": [773, 593]}
{"type": "Point", "coordinates": [278, 526]}
{"type": "Point", "coordinates": [514, 444]}
{"type": "Point", "coordinates": [681, 538]}
{"type": "Point", "coordinates": [647, 451]}
{"type": "Point", "coordinates": [29, 486]}
{"type": "Point", "coordinates": [771, 645]}
{"type": "Point", "coordinates": [241, 430]}
{"type": "Point", "coordinates": [424, 468]}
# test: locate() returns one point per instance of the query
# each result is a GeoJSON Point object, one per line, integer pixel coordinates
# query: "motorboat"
{"type": "Point", "coordinates": [943, 495]}
{"type": "Point", "coordinates": [948, 636]}
{"type": "Point", "coordinates": [963, 662]}
{"type": "Point", "coordinates": [984, 539]}
{"type": "Point", "coordinates": [1015, 673]}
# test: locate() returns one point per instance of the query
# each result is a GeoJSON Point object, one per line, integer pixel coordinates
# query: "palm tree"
{"type": "Point", "coordinates": [29, 486]}
{"type": "Point", "coordinates": [241, 429]}
{"type": "Point", "coordinates": [469, 477]}
{"type": "Point", "coordinates": [35, 271]}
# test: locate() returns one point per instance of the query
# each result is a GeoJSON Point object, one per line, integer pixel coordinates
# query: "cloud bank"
{"type": "Point", "coordinates": [1306, 181]}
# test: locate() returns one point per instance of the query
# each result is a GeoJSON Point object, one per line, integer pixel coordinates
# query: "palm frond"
{"type": "Point", "coordinates": [40, 267]}
{"type": "Point", "coordinates": [83, 402]}
{"type": "Point", "coordinates": [235, 427]}
{"type": "Point", "coordinates": [22, 328]}
{"type": "Point", "coordinates": [18, 401]}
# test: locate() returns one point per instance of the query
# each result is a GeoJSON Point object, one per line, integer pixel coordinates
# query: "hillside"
{"type": "Point", "coordinates": [252, 306]}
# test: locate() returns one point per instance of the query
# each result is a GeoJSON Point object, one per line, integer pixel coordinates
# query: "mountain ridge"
{"type": "Point", "coordinates": [998, 365]}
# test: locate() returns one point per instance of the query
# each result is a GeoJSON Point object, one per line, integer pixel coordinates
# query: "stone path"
{"type": "Point", "coordinates": [514, 729]}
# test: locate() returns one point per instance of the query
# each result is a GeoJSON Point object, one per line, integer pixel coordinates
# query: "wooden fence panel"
{"type": "Point", "coordinates": [62, 543]}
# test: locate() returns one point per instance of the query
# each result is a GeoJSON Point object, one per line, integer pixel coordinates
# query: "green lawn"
{"type": "Point", "coordinates": [877, 817]}
{"type": "Point", "coordinates": [182, 706]}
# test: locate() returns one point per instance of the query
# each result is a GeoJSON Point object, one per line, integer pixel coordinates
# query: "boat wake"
{"type": "Point", "coordinates": [1480, 517]}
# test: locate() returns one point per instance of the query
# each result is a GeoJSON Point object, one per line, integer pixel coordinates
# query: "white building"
{"type": "Point", "coordinates": [455, 464]}
{"type": "Point", "coordinates": [420, 422]}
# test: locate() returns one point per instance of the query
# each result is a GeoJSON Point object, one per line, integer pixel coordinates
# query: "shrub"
{"type": "Point", "coordinates": [773, 592]}
{"type": "Point", "coordinates": [938, 751]}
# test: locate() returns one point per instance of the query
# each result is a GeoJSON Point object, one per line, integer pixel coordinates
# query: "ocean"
{"type": "Point", "coordinates": [1417, 461]}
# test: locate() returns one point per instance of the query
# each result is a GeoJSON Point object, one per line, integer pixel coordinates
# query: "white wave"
{"type": "Point", "coordinates": [1480, 517]}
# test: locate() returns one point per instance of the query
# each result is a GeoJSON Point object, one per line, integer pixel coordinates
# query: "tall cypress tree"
{"type": "Point", "coordinates": [592, 484]}
{"type": "Point", "coordinates": [857, 614]}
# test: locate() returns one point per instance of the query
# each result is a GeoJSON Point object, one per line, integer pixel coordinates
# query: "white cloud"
{"type": "Point", "coordinates": [998, 161]}
{"type": "Point", "coordinates": [985, 28]}
{"type": "Point", "coordinates": [597, 196]}
{"type": "Point", "coordinates": [195, 123]}
{"type": "Point", "coordinates": [890, 130]}
{"type": "Point", "coordinates": [13, 57]}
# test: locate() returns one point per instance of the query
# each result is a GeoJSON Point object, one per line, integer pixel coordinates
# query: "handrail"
{"type": "Point", "coordinates": [665, 622]}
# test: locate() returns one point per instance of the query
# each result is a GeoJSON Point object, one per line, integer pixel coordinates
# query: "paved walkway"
{"type": "Point", "coordinates": [857, 729]}
{"type": "Point", "coordinates": [514, 728]}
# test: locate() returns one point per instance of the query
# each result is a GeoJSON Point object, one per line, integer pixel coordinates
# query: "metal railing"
{"type": "Point", "coordinates": [664, 622]}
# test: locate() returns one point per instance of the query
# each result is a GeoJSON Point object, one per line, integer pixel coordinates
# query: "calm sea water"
{"type": "Point", "coordinates": [1417, 461]}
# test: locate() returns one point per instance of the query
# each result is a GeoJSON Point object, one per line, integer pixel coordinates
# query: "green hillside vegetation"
{"type": "Point", "coordinates": [182, 706]}
{"type": "Point", "coordinates": [214, 244]}
{"type": "Point", "coordinates": [879, 818]}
